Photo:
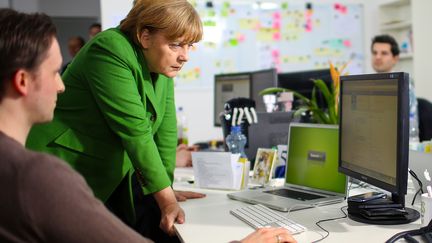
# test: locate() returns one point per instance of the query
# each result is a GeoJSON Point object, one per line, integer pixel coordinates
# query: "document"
{"type": "Point", "coordinates": [217, 170]}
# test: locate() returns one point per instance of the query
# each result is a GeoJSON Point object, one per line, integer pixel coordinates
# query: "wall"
{"type": "Point", "coordinates": [25, 5]}
{"type": "Point", "coordinates": [67, 8]}
{"type": "Point", "coordinates": [112, 11]}
{"type": "Point", "coordinates": [4, 3]}
{"type": "Point", "coordinates": [422, 18]}
{"type": "Point", "coordinates": [70, 17]}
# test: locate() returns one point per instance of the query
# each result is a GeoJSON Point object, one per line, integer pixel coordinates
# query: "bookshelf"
{"type": "Point", "coordinates": [396, 20]}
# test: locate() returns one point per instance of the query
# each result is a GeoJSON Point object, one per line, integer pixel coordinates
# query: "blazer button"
{"type": "Point", "coordinates": [152, 118]}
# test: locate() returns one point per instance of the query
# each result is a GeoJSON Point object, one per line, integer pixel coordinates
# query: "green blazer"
{"type": "Point", "coordinates": [113, 118]}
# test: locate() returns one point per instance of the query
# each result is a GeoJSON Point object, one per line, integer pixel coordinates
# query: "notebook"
{"type": "Point", "coordinates": [311, 178]}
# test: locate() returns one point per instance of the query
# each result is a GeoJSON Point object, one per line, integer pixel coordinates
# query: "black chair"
{"type": "Point", "coordinates": [425, 119]}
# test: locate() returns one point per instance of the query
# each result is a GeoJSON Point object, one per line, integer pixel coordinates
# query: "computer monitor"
{"type": "Point", "coordinates": [245, 84]}
{"type": "Point", "coordinates": [260, 80]}
{"type": "Point", "coordinates": [271, 130]}
{"type": "Point", "coordinates": [226, 87]}
{"type": "Point", "coordinates": [302, 83]}
{"type": "Point", "coordinates": [373, 144]}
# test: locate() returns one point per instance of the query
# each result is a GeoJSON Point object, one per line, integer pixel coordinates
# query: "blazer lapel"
{"type": "Point", "coordinates": [148, 89]}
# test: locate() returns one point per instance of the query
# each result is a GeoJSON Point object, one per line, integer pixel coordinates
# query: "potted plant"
{"type": "Point", "coordinates": [328, 115]}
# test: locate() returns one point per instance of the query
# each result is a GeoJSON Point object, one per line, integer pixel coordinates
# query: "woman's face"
{"type": "Point", "coordinates": [162, 55]}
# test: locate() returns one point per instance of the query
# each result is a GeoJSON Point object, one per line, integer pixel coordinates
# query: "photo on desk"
{"type": "Point", "coordinates": [264, 163]}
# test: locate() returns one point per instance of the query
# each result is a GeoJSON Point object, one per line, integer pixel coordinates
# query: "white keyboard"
{"type": "Point", "coordinates": [260, 216]}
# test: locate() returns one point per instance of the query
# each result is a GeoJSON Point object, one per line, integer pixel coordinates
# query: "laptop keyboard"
{"type": "Point", "coordinates": [260, 216]}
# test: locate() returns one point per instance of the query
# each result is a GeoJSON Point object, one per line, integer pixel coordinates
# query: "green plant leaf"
{"type": "Point", "coordinates": [329, 97]}
{"type": "Point", "coordinates": [300, 111]}
{"type": "Point", "coordinates": [320, 116]}
{"type": "Point", "coordinates": [272, 90]}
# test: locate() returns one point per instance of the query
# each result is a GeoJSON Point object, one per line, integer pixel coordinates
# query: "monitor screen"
{"type": "Point", "coordinates": [373, 143]}
{"type": "Point", "coordinates": [260, 80]}
{"type": "Point", "coordinates": [302, 83]}
{"type": "Point", "coordinates": [246, 85]}
{"type": "Point", "coordinates": [228, 86]}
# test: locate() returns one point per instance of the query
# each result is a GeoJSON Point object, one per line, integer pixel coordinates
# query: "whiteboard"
{"type": "Point", "coordinates": [292, 36]}
{"type": "Point", "coordinates": [240, 36]}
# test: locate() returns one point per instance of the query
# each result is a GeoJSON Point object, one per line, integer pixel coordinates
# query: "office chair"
{"type": "Point", "coordinates": [425, 119]}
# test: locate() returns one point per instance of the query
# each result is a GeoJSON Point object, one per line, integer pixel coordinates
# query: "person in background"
{"type": "Point", "coordinates": [94, 29]}
{"type": "Point", "coordinates": [43, 199]}
{"type": "Point", "coordinates": [74, 45]}
{"type": "Point", "coordinates": [385, 56]}
{"type": "Point", "coordinates": [184, 155]}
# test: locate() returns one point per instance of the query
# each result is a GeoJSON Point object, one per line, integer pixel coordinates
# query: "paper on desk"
{"type": "Point", "coordinates": [218, 170]}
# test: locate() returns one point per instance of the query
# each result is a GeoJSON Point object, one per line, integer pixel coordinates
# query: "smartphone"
{"type": "Point", "coordinates": [366, 197]}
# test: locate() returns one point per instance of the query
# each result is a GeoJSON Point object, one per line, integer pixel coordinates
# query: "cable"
{"type": "Point", "coordinates": [415, 195]}
{"type": "Point", "coordinates": [414, 175]}
{"type": "Point", "coordinates": [301, 204]}
{"type": "Point", "coordinates": [326, 220]}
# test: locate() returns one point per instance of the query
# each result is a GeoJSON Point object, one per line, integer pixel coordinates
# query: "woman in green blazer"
{"type": "Point", "coordinates": [117, 115]}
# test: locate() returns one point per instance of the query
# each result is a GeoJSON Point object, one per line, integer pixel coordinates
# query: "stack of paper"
{"type": "Point", "coordinates": [219, 170]}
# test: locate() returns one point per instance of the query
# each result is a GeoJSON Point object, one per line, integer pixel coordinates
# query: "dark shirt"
{"type": "Point", "coordinates": [44, 200]}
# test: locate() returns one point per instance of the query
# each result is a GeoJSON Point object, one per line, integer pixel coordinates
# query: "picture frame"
{"type": "Point", "coordinates": [263, 167]}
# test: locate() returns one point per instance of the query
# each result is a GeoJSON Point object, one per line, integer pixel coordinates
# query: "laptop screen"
{"type": "Point", "coordinates": [313, 158]}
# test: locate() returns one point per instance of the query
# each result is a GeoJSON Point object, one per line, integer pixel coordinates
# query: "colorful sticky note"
{"type": "Point", "coordinates": [347, 43]}
{"type": "Point", "coordinates": [276, 16]}
{"type": "Point", "coordinates": [275, 53]}
{"type": "Point", "coordinates": [209, 23]}
{"type": "Point", "coordinates": [276, 25]}
{"type": "Point", "coordinates": [241, 37]}
{"type": "Point", "coordinates": [233, 42]}
{"type": "Point", "coordinates": [265, 34]}
{"type": "Point", "coordinates": [277, 36]}
{"type": "Point", "coordinates": [248, 23]}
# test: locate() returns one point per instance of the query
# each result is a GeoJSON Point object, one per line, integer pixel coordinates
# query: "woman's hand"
{"type": "Point", "coordinates": [269, 235]}
{"type": "Point", "coordinates": [171, 214]}
{"type": "Point", "coordinates": [170, 210]}
{"type": "Point", "coordinates": [182, 196]}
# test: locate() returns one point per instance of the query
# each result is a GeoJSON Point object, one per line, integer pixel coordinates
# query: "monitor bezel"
{"type": "Point", "coordinates": [304, 79]}
{"type": "Point", "coordinates": [399, 190]}
{"type": "Point", "coordinates": [254, 94]}
{"type": "Point", "coordinates": [251, 77]}
{"type": "Point", "coordinates": [216, 121]}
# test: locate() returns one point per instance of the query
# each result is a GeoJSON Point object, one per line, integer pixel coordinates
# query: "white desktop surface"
{"type": "Point", "coordinates": [209, 220]}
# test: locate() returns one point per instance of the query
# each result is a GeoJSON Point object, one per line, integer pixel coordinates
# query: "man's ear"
{"type": "Point", "coordinates": [144, 38]}
{"type": "Point", "coordinates": [21, 81]}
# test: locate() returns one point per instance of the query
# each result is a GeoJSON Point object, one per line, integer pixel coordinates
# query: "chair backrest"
{"type": "Point", "coordinates": [425, 119]}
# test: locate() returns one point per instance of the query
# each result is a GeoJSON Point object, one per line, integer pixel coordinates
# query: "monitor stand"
{"type": "Point", "coordinates": [381, 211]}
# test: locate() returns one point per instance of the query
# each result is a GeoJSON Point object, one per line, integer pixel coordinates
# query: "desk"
{"type": "Point", "coordinates": [209, 220]}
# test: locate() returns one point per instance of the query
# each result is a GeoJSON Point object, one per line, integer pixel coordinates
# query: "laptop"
{"type": "Point", "coordinates": [311, 178]}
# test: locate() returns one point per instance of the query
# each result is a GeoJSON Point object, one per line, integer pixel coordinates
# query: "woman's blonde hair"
{"type": "Point", "coordinates": [175, 18]}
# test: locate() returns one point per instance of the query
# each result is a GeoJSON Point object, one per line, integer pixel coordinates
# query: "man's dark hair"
{"type": "Point", "coordinates": [389, 40]}
{"type": "Point", "coordinates": [95, 25]}
{"type": "Point", "coordinates": [79, 39]}
{"type": "Point", "coordinates": [24, 42]}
